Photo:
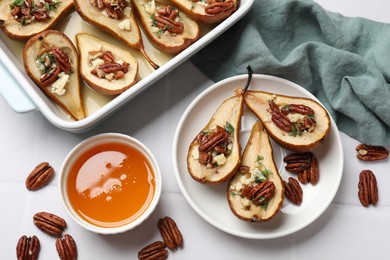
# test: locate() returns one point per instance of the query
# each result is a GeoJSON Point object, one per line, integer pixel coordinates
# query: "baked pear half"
{"type": "Point", "coordinates": [255, 193]}
{"type": "Point", "coordinates": [22, 19]}
{"type": "Point", "coordinates": [295, 123]}
{"type": "Point", "coordinates": [51, 61]}
{"type": "Point", "coordinates": [117, 18]}
{"type": "Point", "coordinates": [210, 12]}
{"type": "Point", "coordinates": [168, 28]}
{"type": "Point", "coordinates": [105, 67]}
{"type": "Point", "coordinates": [215, 154]}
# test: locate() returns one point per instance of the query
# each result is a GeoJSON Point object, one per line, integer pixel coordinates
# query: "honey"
{"type": "Point", "coordinates": [111, 185]}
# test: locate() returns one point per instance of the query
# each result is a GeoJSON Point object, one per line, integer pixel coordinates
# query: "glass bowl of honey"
{"type": "Point", "coordinates": [110, 183]}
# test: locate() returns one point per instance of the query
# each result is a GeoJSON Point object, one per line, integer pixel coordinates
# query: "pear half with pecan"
{"type": "Point", "coordinates": [117, 18]}
{"type": "Point", "coordinates": [211, 11]}
{"type": "Point", "coordinates": [51, 61]}
{"type": "Point", "coordinates": [168, 28]}
{"type": "Point", "coordinates": [105, 67]}
{"type": "Point", "coordinates": [255, 193]}
{"type": "Point", "coordinates": [295, 123]}
{"type": "Point", "coordinates": [215, 154]}
{"type": "Point", "coordinates": [22, 19]}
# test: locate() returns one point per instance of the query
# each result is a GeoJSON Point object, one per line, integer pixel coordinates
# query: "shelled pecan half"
{"type": "Point", "coordinates": [371, 152]}
{"type": "Point", "coordinates": [155, 250]}
{"type": "Point", "coordinates": [311, 174]}
{"type": "Point", "coordinates": [293, 191]}
{"type": "Point", "coordinates": [39, 176]}
{"type": "Point", "coordinates": [216, 7]}
{"type": "Point", "coordinates": [262, 192]}
{"type": "Point", "coordinates": [66, 248]}
{"type": "Point", "coordinates": [170, 233]}
{"type": "Point", "coordinates": [305, 165]}
{"type": "Point", "coordinates": [49, 223]}
{"type": "Point", "coordinates": [368, 189]}
{"type": "Point", "coordinates": [28, 248]}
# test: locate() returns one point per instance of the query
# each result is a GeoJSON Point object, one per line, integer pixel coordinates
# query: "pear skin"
{"type": "Point", "coordinates": [196, 10]}
{"type": "Point", "coordinates": [229, 111]}
{"type": "Point", "coordinates": [259, 165]}
{"type": "Point", "coordinates": [14, 30]}
{"type": "Point", "coordinates": [86, 44]}
{"type": "Point", "coordinates": [71, 100]}
{"type": "Point", "coordinates": [298, 141]}
{"type": "Point", "coordinates": [171, 43]}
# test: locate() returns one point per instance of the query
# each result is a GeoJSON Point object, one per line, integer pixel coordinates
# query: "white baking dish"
{"type": "Point", "coordinates": [24, 96]}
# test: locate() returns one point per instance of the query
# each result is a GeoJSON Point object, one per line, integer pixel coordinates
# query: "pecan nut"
{"type": "Point", "coordinates": [293, 191]}
{"type": "Point", "coordinates": [371, 152]}
{"type": "Point", "coordinates": [62, 60]}
{"type": "Point", "coordinates": [297, 162]}
{"type": "Point", "coordinates": [156, 250]}
{"type": "Point", "coordinates": [297, 108]}
{"type": "Point", "coordinates": [49, 78]}
{"type": "Point", "coordinates": [39, 176]}
{"type": "Point", "coordinates": [28, 248]}
{"type": "Point", "coordinates": [66, 248]}
{"type": "Point", "coordinates": [170, 233]}
{"type": "Point", "coordinates": [368, 189]}
{"type": "Point", "coordinates": [219, 7]}
{"type": "Point", "coordinates": [279, 119]}
{"type": "Point", "coordinates": [262, 192]}
{"type": "Point", "coordinates": [311, 174]}
{"type": "Point", "coordinates": [208, 142]}
{"type": "Point", "coordinates": [49, 223]}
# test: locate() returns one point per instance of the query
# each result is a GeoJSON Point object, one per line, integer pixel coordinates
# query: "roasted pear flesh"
{"type": "Point", "coordinates": [170, 29]}
{"type": "Point", "coordinates": [51, 61]}
{"type": "Point", "coordinates": [215, 154]}
{"type": "Point", "coordinates": [208, 11]}
{"type": "Point", "coordinates": [21, 19]}
{"type": "Point", "coordinates": [105, 67]}
{"type": "Point", "coordinates": [255, 193]}
{"type": "Point", "coordinates": [295, 123]}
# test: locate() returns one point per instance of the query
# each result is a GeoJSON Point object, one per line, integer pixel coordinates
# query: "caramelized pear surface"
{"type": "Point", "coordinates": [216, 13]}
{"type": "Point", "coordinates": [296, 139]}
{"type": "Point", "coordinates": [177, 34]}
{"type": "Point", "coordinates": [218, 167]}
{"type": "Point", "coordinates": [257, 168]}
{"type": "Point", "coordinates": [92, 51]}
{"type": "Point", "coordinates": [15, 30]}
{"type": "Point", "coordinates": [40, 45]}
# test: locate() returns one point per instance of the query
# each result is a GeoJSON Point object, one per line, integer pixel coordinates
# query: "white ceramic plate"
{"type": "Point", "coordinates": [210, 202]}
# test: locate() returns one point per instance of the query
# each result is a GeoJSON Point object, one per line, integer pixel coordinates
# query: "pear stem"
{"type": "Point", "coordinates": [248, 82]}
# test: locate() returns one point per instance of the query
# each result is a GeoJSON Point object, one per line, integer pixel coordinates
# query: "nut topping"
{"type": "Point", "coordinates": [368, 189]}
{"type": "Point", "coordinates": [62, 60]}
{"type": "Point", "coordinates": [170, 233]}
{"type": "Point", "coordinates": [165, 20]}
{"type": "Point", "coordinates": [66, 248]}
{"type": "Point", "coordinates": [156, 250]}
{"type": "Point", "coordinates": [371, 152]}
{"type": "Point", "coordinates": [218, 7]}
{"type": "Point", "coordinates": [49, 223]}
{"type": "Point", "coordinates": [40, 176]}
{"type": "Point", "coordinates": [28, 248]}
{"type": "Point", "coordinates": [293, 191]}
{"type": "Point", "coordinates": [262, 193]}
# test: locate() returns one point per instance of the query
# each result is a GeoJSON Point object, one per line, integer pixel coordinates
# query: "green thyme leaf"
{"type": "Point", "coordinates": [233, 194]}
{"type": "Point", "coordinates": [229, 128]}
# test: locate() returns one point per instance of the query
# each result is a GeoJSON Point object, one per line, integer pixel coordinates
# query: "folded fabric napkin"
{"type": "Point", "coordinates": [343, 61]}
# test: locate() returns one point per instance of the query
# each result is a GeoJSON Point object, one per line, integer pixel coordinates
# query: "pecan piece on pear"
{"type": "Point", "coordinates": [49, 223]}
{"type": "Point", "coordinates": [40, 176]}
{"type": "Point", "coordinates": [28, 248]}
{"type": "Point", "coordinates": [371, 152]}
{"type": "Point", "coordinates": [368, 189]}
{"type": "Point", "coordinates": [170, 233]}
{"type": "Point", "coordinates": [66, 248]}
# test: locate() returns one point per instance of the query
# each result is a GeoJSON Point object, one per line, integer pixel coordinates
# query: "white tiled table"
{"type": "Point", "coordinates": [346, 230]}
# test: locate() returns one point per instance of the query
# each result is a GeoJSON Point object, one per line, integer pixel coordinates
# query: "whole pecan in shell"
{"type": "Point", "coordinates": [170, 233]}
{"type": "Point", "coordinates": [39, 176]}
{"type": "Point", "coordinates": [293, 191]}
{"type": "Point", "coordinates": [155, 250]}
{"type": "Point", "coordinates": [66, 248]}
{"type": "Point", "coordinates": [49, 223]}
{"type": "Point", "coordinates": [28, 248]}
{"type": "Point", "coordinates": [371, 152]}
{"type": "Point", "coordinates": [368, 189]}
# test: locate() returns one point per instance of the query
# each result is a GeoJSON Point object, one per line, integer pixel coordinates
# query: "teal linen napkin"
{"type": "Point", "coordinates": [343, 61]}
